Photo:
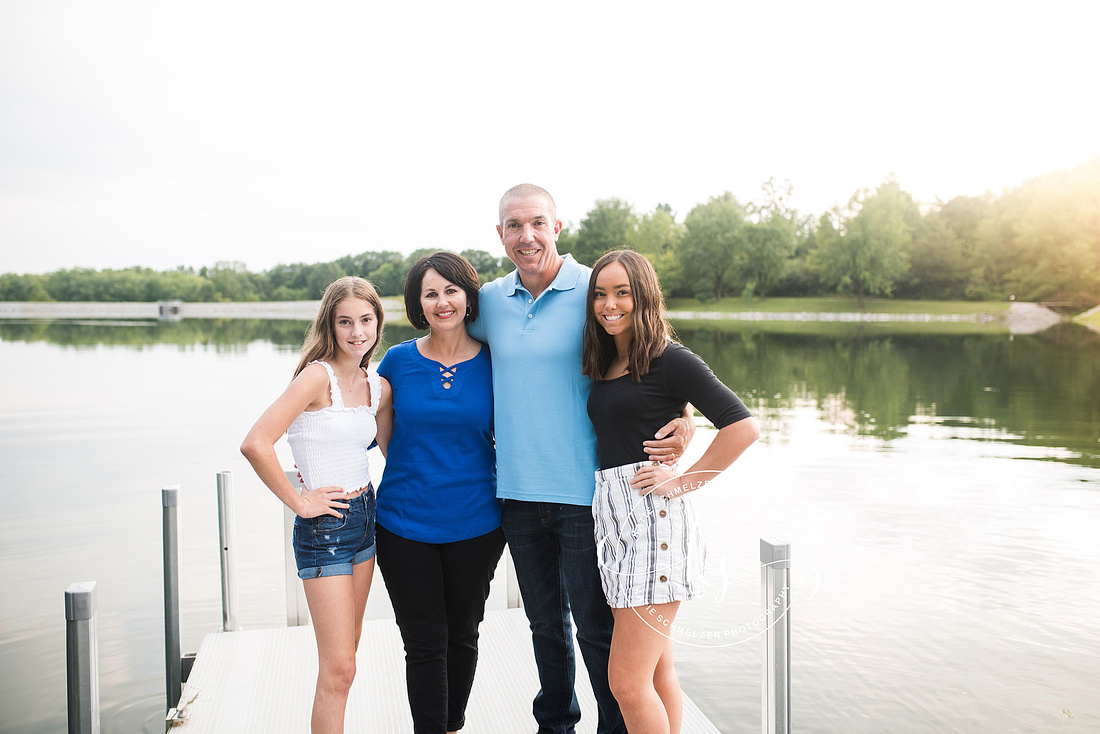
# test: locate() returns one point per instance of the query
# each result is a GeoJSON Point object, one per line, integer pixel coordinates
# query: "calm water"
{"type": "Point", "coordinates": [941, 495]}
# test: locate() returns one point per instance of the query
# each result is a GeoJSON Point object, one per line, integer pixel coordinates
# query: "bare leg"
{"type": "Point", "coordinates": [336, 604]}
{"type": "Point", "coordinates": [641, 671]}
{"type": "Point", "coordinates": [667, 684]}
{"type": "Point", "coordinates": [362, 575]}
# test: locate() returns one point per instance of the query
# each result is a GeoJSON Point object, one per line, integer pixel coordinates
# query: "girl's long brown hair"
{"type": "Point", "coordinates": [651, 329]}
{"type": "Point", "coordinates": [321, 338]}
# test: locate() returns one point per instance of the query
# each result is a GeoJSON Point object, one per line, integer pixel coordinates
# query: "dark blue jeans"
{"type": "Point", "coordinates": [554, 550]}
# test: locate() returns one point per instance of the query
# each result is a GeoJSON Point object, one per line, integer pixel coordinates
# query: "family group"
{"type": "Point", "coordinates": [545, 410]}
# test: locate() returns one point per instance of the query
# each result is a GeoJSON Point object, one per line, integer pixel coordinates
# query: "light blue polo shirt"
{"type": "Point", "coordinates": [546, 448]}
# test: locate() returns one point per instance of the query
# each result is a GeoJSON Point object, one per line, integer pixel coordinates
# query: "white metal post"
{"type": "Point", "coordinates": [775, 591]}
{"type": "Point", "coordinates": [297, 611]}
{"type": "Point", "coordinates": [170, 523]}
{"type": "Point", "coordinates": [228, 552]}
{"type": "Point", "coordinates": [82, 657]}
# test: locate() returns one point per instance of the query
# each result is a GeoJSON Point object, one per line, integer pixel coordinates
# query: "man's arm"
{"type": "Point", "coordinates": [670, 443]}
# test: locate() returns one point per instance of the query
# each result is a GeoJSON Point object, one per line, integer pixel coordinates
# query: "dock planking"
{"type": "Point", "coordinates": [262, 681]}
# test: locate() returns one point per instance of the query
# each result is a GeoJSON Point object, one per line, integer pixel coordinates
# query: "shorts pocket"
{"type": "Point", "coordinates": [325, 524]}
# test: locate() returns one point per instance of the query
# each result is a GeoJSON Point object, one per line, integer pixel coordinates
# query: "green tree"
{"type": "Point", "coordinates": [713, 245]}
{"type": "Point", "coordinates": [415, 255]}
{"type": "Point", "coordinates": [1050, 227]}
{"type": "Point", "coordinates": [657, 236]}
{"type": "Point", "coordinates": [770, 237]}
{"type": "Point", "coordinates": [656, 233]}
{"type": "Point", "coordinates": [232, 282]}
{"type": "Point", "coordinates": [320, 276]}
{"type": "Point", "coordinates": [181, 283]}
{"type": "Point", "coordinates": [286, 279]}
{"type": "Point", "coordinates": [366, 263]}
{"type": "Point", "coordinates": [798, 278]}
{"type": "Point", "coordinates": [567, 244]}
{"type": "Point", "coordinates": [487, 267]}
{"type": "Point", "coordinates": [944, 248]}
{"type": "Point", "coordinates": [23, 288]}
{"type": "Point", "coordinates": [607, 226]}
{"type": "Point", "coordinates": [868, 251]}
{"type": "Point", "coordinates": [389, 279]}
{"type": "Point", "coordinates": [286, 293]}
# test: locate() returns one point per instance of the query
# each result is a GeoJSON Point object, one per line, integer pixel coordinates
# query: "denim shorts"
{"type": "Point", "coordinates": [331, 546]}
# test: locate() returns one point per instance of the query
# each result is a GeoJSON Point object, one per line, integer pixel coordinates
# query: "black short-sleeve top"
{"type": "Point", "coordinates": [626, 413]}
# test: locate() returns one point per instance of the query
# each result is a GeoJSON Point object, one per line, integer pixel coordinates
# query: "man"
{"type": "Point", "coordinates": [533, 321]}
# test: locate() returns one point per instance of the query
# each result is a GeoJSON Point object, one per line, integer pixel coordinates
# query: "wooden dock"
{"type": "Point", "coordinates": [262, 681]}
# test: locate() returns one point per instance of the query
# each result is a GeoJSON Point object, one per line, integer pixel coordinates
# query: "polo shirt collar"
{"type": "Point", "coordinates": [566, 280]}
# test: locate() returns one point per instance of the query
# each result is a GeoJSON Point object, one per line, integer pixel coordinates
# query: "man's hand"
{"type": "Point", "coordinates": [669, 443]}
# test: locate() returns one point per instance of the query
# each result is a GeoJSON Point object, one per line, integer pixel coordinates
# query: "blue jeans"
{"type": "Point", "coordinates": [554, 550]}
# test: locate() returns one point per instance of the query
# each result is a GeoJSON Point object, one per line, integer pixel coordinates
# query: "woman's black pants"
{"type": "Point", "coordinates": [438, 592]}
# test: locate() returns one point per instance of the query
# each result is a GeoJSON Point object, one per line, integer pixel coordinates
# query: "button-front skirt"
{"type": "Point", "coordinates": [650, 548]}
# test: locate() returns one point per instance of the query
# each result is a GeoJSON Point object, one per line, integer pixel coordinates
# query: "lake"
{"type": "Point", "coordinates": [940, 491]}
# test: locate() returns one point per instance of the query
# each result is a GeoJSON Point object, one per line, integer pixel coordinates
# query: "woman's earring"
{"type": "Point", "coordinates": [467, 312]}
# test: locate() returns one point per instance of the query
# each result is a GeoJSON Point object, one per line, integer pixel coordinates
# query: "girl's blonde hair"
{"type": "Point", "coordinates": [321, 337]}
{"type": "Point", "coordinates": [651, 330]}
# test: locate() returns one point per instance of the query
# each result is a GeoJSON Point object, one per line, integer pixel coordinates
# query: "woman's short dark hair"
{"type": "Point", "coordinates": [452, 268]}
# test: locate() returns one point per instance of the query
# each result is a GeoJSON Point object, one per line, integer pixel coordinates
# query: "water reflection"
{"type": "Point", "coordinates": [890, 461]}
{"type": "Point", "coordinates": [222, 334]}
{"type": "Point", "coordinates": [1039, 390]}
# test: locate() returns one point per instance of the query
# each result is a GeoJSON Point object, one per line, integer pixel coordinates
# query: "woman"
{"type": "Point", "coordinates": [650, 549]}
{"type": "Point", "coordinates": [328, 414]}
{"type": "Point", "coordinates": [439, 536]}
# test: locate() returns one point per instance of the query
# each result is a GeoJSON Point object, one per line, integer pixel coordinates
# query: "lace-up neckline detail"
{"type": "Point", "coordinates": [447, 375]}
{"type": "Point", "coordinates": [451, 377]}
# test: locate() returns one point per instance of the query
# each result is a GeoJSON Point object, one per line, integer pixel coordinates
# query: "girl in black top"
{"type": "Point", "coordinates": [649, 545]}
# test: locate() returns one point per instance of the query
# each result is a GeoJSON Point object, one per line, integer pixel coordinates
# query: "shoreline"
{"type": "Point", "coordinates": [172, 310]}
{"type": "Point", "coordinates": [1020, 318]}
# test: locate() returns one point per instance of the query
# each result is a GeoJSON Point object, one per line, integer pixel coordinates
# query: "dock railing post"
{"type": "Point", "coordinates": [297, 611]}
{"type": "Point", "coordinates": [775, 590]}
{"type": "Point", "coordinates": [228, 552]}
{"type": "Point", "coordinates": [82, 657]}
{"type": "Point", "coordinates": [173, 675]}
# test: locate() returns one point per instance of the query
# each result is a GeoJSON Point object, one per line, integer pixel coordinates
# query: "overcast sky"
{"type": "Point", "coordinates": [164, 134]}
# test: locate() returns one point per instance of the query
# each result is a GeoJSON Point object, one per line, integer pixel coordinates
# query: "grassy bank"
{"type": "Point", "coordinates": [838, 329]}
{"type": "Point", "coordinates": [839, 305]}
{"type": "Point", "coordinates": [1090, 319]}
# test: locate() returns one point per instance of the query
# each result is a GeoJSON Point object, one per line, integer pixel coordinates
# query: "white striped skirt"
{"type": "Point", "coordinates": [650, 548]}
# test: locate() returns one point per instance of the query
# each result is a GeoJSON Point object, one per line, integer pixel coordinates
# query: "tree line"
{"type": "Point", "coordinates": [1037, 242]}
{"type": "Point", "coordinates": [230, 281]}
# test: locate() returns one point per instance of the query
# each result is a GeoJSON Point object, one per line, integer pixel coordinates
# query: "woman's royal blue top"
{"type": "Point", "coordinates": [440, 481]}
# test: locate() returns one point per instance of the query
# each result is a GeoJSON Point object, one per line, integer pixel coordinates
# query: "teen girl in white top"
{"type": "Point", "coordinates": [329, 412]}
